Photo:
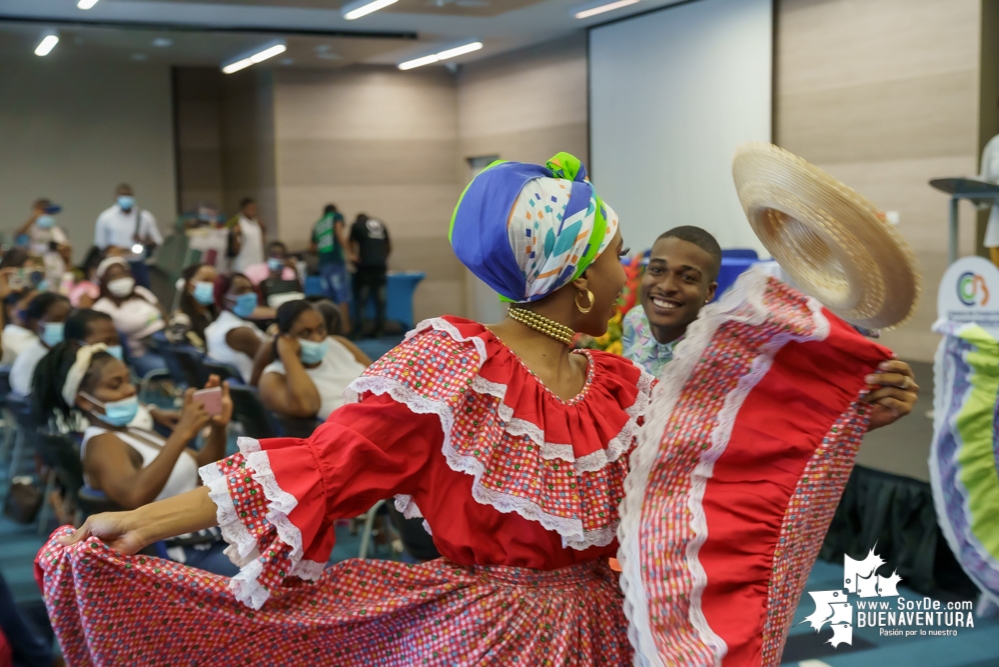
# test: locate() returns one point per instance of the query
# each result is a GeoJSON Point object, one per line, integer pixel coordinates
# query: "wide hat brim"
{"type": "Point", "coordinates": [833, 243]}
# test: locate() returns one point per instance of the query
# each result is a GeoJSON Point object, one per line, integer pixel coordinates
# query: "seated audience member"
{"type": "Point", "coordinates": [334, 326]}
{"type": "Point", "coordinates": [197, 307]}
{"type": "Point", "coordinates": [87, 288]}
{"type": "Point", "coordinates": [278, 277]}
{"type": "Point", "coordinates": [232, 339]}
{"type": "Point", "coordinates": [46, 316]}
{"type": "Point", "coordinates": [90, 327]}
{"type": "Point", "coordinates": [133, 466]}
{"type": "Point", "coordinates": [312, 369]}
{"type": "Point", "coordinates": [679, 280]}
{"type": "Point", "coordinates": [136, 312]}
{"type": "Point", "coordinates": [17, 337]}
{"type": "Point", "coordinates": [46, 240]}
{"type": "Point", "coordinates": [13, 259]}
{"type": "Point", "coordinates": [331, 314]}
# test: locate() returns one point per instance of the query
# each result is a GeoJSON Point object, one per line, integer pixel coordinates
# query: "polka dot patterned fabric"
{"type": "Point", "coordinates": [111, 609]}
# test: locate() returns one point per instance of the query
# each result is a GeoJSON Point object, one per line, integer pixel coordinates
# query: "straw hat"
{"type": "Point", "coordinates": [834, 243]}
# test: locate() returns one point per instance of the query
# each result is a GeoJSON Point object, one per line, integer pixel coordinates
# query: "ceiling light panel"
{"type": "Point", "coordinates": [587, 11]}
{"type": "Point", "coordinates": [45, 46]}
{"type": "Point", "coordinates": [356, 10]}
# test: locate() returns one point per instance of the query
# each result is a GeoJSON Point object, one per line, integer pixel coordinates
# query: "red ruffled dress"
{"type": "Point", "coordinates": [519, 488]}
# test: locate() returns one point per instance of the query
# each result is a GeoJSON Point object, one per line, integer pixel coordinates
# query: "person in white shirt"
{"type": "Point", "coordinates": [134, 466]}
{"type": "Point", "coordinates": [135, 310]}
{"type": "Point", "coordinates": [126, 227]}
{"type": "Point", "coordinates": [248, 237]}
{"type": "Point", "coordinates": [232, 339]}
{"type": "Point", "coordinates": [46, 316]}
{"type": "Point", "coordinates": [17, 337]}
{"type": "Point", "coordinates": [311, 369]}
{"type": "Point", "coordinates": [46, 240]}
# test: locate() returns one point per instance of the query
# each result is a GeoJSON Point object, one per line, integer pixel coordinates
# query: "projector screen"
{"type": "Point", "coordinates": [672, 93]}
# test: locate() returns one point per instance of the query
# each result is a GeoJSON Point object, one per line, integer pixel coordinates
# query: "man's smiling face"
{"type": "Point", "coordinates": [679, 280]}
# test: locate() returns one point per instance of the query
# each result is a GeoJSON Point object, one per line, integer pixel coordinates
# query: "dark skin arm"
{"type": "Point", "coordinates": [242, 339]}
{"type": "Point", "coordinates": [294, 393]}
{"type": "Point", "coordinates": [167, 418]}
{"type": "Point", "coordinates": [4, 293]}
{"type": "Point", "coordinates": [265, 355]}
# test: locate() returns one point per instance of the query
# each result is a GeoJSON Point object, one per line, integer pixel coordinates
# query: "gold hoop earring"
{"type": "Point", "coordinates": [589, 297]}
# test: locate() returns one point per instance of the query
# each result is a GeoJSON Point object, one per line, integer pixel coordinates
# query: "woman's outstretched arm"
{"type": "Point", "coordinates": [131, 531]}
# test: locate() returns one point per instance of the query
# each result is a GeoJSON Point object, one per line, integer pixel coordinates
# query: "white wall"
{"type": "Point", "coordinates": [672, 93]}
{"type": "Point", "coordinates": [71, 131]}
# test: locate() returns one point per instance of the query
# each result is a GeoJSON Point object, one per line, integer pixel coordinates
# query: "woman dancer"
{"type": "Point", "coordinates": [512, 447]}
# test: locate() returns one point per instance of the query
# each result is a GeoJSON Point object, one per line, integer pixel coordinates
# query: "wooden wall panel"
{"type": "Point", "coordinates": [883, 94]}
{"type": "Point", "coordinates": [379, 141]}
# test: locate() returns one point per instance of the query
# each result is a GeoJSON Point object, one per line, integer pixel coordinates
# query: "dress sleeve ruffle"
{"type": "Point", "coordinates": [277, 500]}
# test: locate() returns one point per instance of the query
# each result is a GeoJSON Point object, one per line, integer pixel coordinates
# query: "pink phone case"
{"type": "Point", "coordinates": [211, 398]}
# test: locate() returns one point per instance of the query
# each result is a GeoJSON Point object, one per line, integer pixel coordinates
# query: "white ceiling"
{"type": "Point", "coordinates": [201, 31]}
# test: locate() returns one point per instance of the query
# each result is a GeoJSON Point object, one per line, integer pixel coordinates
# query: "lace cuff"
{"type": "Point", "coordinates": [253, 516]}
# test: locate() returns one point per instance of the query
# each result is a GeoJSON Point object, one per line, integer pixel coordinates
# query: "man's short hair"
{"type": "Point", "coordinates": [702, 239]}
{"type": "Point", "coordinates": [246, 201]}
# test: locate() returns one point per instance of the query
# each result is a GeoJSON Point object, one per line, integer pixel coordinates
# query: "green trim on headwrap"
{"type": "Point", "coordinates": [567, 166]}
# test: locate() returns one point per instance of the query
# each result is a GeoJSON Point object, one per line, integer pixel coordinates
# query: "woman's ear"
{"type": "Point", "coordinates": [582, 282]}
{"type": "Point", "coordinates": [84, 404]}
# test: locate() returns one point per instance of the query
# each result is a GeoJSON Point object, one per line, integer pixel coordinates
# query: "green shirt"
{"type": "Point", "coordinates": [325, 238]}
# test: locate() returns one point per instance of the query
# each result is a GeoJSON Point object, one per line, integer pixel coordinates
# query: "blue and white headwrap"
{"type": "Point", "coordinates": [526, 230]}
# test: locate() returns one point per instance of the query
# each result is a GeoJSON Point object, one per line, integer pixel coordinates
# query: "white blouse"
{"type": "Point", "coordinates": [337, 370]}
{"type": "Point", "coordinates": [218, 348]}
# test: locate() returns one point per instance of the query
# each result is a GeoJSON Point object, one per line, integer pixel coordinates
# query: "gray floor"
{"type": "Point", "coordinates": [904, 447]}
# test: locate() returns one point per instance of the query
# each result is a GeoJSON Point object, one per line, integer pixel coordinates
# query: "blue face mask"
{"type": "Point", "coordinates": [126, 202]}
{"type": "Point", "coordinates": [274, 264]}
{"type": "Point", "coordinates": [204, 293]}
{"type": "Point", "coordinates": [53, 333]}
{"type": "Point", "coordinates": [245, 305]}
{"type": "Point", "coordinates": [116, 413]}
{"type": "Point", "coordinates": [116, 351]}
{"type": "Point", "coordinates": [313, 352]}
{"type": "Point", "coordinates": [45, 221]}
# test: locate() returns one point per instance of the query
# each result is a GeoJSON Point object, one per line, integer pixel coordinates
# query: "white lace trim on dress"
{"type": "Point", "coordinates": [571, 530]}
{"type": "Point", "coordinates": [242, 549]}
{"type": "Point", "coordinates": [744, 303]}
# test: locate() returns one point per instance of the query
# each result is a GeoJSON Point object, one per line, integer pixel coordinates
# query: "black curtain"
{"type": "Point", "coordinates": [897, 514]}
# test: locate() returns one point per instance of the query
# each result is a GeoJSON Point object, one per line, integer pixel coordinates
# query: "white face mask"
{"type": "Point", "coordinates": [121, 287]}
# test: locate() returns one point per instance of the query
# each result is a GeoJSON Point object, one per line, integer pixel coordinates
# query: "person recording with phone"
{"type": "Point", "coordinates": [131, 465]}
{"type": "Point", "coordinates": [128, 228]}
